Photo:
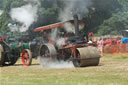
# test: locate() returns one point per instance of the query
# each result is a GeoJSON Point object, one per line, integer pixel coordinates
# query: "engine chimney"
{"type": "Point", "coordinates": [76, 25]}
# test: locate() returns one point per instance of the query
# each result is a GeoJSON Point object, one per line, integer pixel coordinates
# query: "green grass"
{"type": "Point", "coordinates": [121, 58]}
{"type": "Point", "coordinates": [111, 71]}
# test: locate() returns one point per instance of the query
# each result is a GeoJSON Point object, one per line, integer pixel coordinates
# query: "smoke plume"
{"type": "Point", "coordinates": [72, 7]}
{"type": "Point", "coordinates": [25, 15]}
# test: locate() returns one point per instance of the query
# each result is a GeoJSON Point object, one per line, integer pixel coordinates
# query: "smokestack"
{"type": "Point", "coordinates": [76, 25]}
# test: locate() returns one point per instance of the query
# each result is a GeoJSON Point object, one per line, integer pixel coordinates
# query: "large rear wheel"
{"type": "Point", "coordinates": [47, 54]}
{"type": "Point", "coordinates": [26, 57]}
{"type": "Point", "coordinates": [47, 50]}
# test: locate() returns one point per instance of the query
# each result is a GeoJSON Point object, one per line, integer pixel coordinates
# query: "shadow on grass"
{"type": "Point", "coordinates": [23, 65]}
{"type": "Point", "coordinates": [20, 65]}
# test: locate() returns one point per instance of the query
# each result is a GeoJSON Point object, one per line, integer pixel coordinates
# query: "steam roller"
{"type": "Point", "coordinates": [76, 47]}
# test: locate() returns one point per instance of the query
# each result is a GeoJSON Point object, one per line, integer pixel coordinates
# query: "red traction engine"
{"type": "Point", "coordinates": [76, 47]}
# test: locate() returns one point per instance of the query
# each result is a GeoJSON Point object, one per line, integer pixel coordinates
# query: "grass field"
{"type": "Point", "coordinates": [112, 70]}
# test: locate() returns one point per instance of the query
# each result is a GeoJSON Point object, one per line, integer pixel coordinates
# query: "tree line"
{"type": "Point", "coordinates": [103, 16]}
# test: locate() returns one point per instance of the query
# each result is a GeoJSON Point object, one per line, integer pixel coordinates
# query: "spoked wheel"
{"type": "Point", "coordinates": [26, 57]}
{"type": "Point", "coordinates": [76, 62]}
{"type": "Point", "coordinates": [1, 55]}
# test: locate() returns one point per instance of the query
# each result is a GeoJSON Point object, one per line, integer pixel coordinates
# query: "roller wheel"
{"type": "Point", "coordinates": [87, 56]}
{"type": "Point", "coordinates": [1, 55]}
{"type": "Point", "coordinates": [26, 57]}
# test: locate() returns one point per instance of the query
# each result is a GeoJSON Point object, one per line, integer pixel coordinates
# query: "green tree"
{"type": "Point", "coordinates": [48, 13]}
{"type": "Point", "coordinates": [4, 23]}
{"type": "Point", "coordinates": [118, 21]}
{"type": "Point", "coordinates": [124, 3]}
{"type": "Point", "coordinates": [99, 11]}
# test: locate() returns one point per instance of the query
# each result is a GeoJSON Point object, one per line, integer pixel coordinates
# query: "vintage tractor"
{"type": "Point", "coordinates": [74, 46]}
{"type": "Point", "coordinates": [11, 49]}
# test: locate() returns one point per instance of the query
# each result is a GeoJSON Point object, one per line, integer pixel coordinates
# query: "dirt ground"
{"type": "Point", "coordinates": [112, 70]}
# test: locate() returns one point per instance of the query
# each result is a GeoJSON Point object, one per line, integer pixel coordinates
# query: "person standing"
{"type": "Point", "coordinates": [100, 46]}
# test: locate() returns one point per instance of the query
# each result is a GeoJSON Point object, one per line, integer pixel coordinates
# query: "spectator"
{"type": "Point", "coordinates": [100, 46]}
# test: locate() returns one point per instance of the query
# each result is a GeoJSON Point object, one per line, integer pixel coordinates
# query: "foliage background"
{"type": "Point", "coordinates": [109, 16]}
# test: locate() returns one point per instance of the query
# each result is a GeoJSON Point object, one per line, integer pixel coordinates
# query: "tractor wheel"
{"type": "Point", "coordinates": [12, 61]}
{"type": "Point", "coordinates": [26, 57]}
{"type": "Point", "coordinates": [1, 55]}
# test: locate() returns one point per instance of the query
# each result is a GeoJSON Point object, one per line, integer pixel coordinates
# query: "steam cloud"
{"type": "Point", "coordinates": [60, 42]}
{"type": "Point", "coordinates": [68, 27]}
{"type": "Point", "coordinates": [50, 63]}
{"type": "Point", "coordinates": [25, 15]}
{"type": "Point", "coordinates": [56, 38]}
{"type": "Point", "coordinates": [54, 33]}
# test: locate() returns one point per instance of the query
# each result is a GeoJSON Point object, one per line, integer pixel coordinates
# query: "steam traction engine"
{"type": "Point", "coordinates": [11, 49]}
{"type": "Point", "coordinates": [76, 47]}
